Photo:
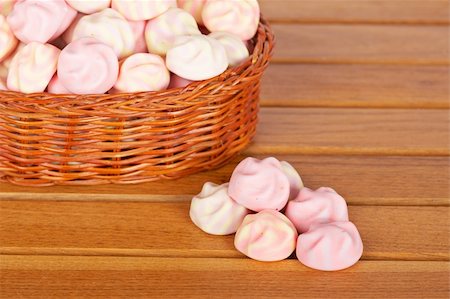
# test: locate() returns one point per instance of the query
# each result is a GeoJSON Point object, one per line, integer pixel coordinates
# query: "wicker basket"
{"type": "Point", "coordinates": [131, 138]}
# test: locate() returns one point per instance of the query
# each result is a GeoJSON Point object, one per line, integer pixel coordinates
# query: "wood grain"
{"type": "Point", "coordinates": [164, 229]}
{"type": "Point", "coordinates": [362, 180]}
{"type": "Point", "coordinates": [374, 86]}
{"type": "Point", "coordinates": [357, 11]}
{"type": "Point", "coordinates": [120, 277]}
{"type": "Point", "coordinates": [343, 44]}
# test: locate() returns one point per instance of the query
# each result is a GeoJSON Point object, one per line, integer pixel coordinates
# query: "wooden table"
{"type": "Point", "coordinates": [357, 98]}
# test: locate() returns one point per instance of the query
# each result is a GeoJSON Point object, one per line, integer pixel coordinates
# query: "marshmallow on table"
{"type": "Point", "coordinates": [178, 82]}
{"type": "Point", "coordinates": [236, 49]}
{"type": "Point", "coordinates": [238, 17]}
{"type": "Point", "coordinates": [109, 27]}
{"type": "Point", "coordinates": [196, 57]}
{"type": "Point", "coordinates": [142, 72]}
{"type": "Point", "coordinates": [55, 86]}
{"type": "Point", "coordinates": [40, 21]}
{"type": "Point", "coordinates": [32, 68]}
{"type": "Point", "coordinates": [161, 31]}
{"type": "Point", "coordinates": [259, 184]}
{"type": "Point", "coordinates": [295, 180]}
{"type": "Point", "coordinates": [320, 206]}
{"type": "Point", "coordinates": [8, 41]}
{"type": "Point", "coordinates": [214, 212]}
{"type": "Point", "coordinates": [330, 246]}
{"type": "Point", "coordinates": [267, 236]}
{"type": "Point", "coordinates": [89, 6]}
{"type": "Point", "coordinates": [88, 66]}
{"type": "Point", "coordinates": [6, 7]}
{"type": "Point", "coordinates": [138, 28]}
{"type": "Point", "coordinates": [139, 10]}
{"type": "Point", "coordinates": [194, 7]}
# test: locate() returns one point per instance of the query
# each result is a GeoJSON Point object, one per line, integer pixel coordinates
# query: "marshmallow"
{"type": "Point", "coordinates": [214, 212]}
{"type": "Point", "coordinates": [295, 181]}
{"type": "Point", "coordinates": [7, 62]}
{"type": "Point", "coordinates": [55, 86]}
{"type": "Point", "coordinates": [67, 36]}
{"type": "Point", "coordinates": [8, 41]}
{"type": "Point", "coordinates": [89, 6]}
{"type": "Point", "coordinates": [194, 7]}
{"type": "Point", "coordinates": [236, 49]}
{"type": "Point", "coordinates": [161, 31]}
{"type": "Point", "coordinates": [32, 68]}
{"type": "Point", "coordinates": [6, 7]}
{"type": "Point", "coordinates": [196, 57]}
{"type": "Point", "coordinates": [259, 184]}
{"type": "Point", "coordinates": [141, 10]}
{"type": "Point", "coordinates": [238, 17]}
{"type": "Point", "coordinates": [142, 72]}
{"type": "Point", "coordinates": [330, 246]}
{"type": "Point", "coordinates": [109, 27]}
{"type": "Point", "coordinates": [178, 82]}
{"type": "Point", "coordinates": [40, 21]}
{"type": "Point", "coordinates": [320, 206]}
{"type": "Point", "coordinates": [267, 236]}
{"type": "Point", "coordinates": [3, 84]}
{"type": "Point", "coordinates": [138, 28]}
{"type": "Point", "coordinates": [88, 66]}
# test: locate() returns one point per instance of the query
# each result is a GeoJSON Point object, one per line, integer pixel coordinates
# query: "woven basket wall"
{"type": "Point", "coordinates": [50, 139]}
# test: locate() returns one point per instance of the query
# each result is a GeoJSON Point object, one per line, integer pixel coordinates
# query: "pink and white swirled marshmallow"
{"type": "Point", "coordinates": [330, 246]}
{"type": "Point", "coordinates": [196, 57]}
{"type": "Point", "coordinates": [141, 10]}
{"type": "Point", "coordinates": [40, 21]}
{"type": "Point", "coordinates": [89, 6]}
{"type": "Point", "coordinates": [267, 236]}
{"type": "Point", "coordinates": [259, 184]}
{"type": "Point", "coordinates": [142, 72]}
{"type": "Point", "coordinates": [194, 7]}
{"type": "Point", "coordinates": [295, 180]}
{"type": "Point", "coordinates": [236, 49]}
{"type": "Point", "coordinates": [88, 66]}
{"type": "Point", "coordinates": [214, 212]}
{"type": "Point", "coordinates": [109, 27]}
{"type": "Point", "coordinates": [8, 41]}
{"type": "Point", "coordinates": [238, 17]}
{"type": "Point", "coordinates": [32, 68]}
{"type": "Point", "coordinates": [6, 7]}
{"type": "Point", "coordinates": [161, 31]}
{"type": "Point", "coordinates": [138, 28]}
{"type": "Point", "coordinates": [320, 206]}
{"type": "Point", "coordinates": [56, 87]}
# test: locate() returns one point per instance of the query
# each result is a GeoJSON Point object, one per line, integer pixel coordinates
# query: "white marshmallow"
{"type": "Point", "coordinates": [236, 49]}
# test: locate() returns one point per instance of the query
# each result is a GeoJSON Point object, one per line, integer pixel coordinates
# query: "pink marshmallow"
{"type": "Point", "coordinates": [6, 7]}
{"type": "Point", "coordinates": [109, 27]}
{"type": "Point", "coordinates": [139, 10]}
{"type": "Point", "coordinates": [40, 21]}
{"type": "Point", "coordinates": [178, 82]}
{"type": "Point", "coordinates": [320, 206]}
{"type": "Point", "coordinates": [194, 7]}
{"type": "Point", "coordinates": [89, 6]}
{"type": "Point", "coordinates": [8, 41]}
{"type": "Point", "coordinates": [32, 68]}
{"type": "Point", "coordinates": [259, 184]}
{"type": "Point", "coordinates": [267, 236]}
{"type": "Point", "coordinates": [138, 28]}
{"type": "Point", "coordinates": [330, 246]}
{"type": "Point", "coordinates": [160, 32]}
{"type": "Point", "coordinates": [55, 86]}
{"type": "Point", "coordinates": [295, 181]}
{"type": "Point", "coordinates": [196, 57]}
{"type": "Point", "coordinates": [214, 212]}
{"type": "Point", "coordinates": [238, 17]}
{"type": "Point", "coordinates": [236, 49]}
{"type": "Point", "coordinates": [142, 72]}
{"type": "Point", "coordinates": [67, 36]}
{"type": "Point", "coordinates": [88, 66]}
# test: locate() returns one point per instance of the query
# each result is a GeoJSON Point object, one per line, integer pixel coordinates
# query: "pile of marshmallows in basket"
{"type": "Point", "coordinates": [120, 46]}
{"type": "Point", "coordinates": [284, 209]}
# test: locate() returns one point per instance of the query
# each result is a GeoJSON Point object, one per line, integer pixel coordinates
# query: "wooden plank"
{"type": "Point", "coordinates": [426, 180]}
{"type": "Point", "coordinates": [357, 11]}
{"type": "Point", "coordinates": [119, 277]}
{"type": "Point", "coordinates": [165, 230]}
{"type": "Point", "coordinates": [374, 86]}
{"type": "Point", "coordinates": [345, 44]}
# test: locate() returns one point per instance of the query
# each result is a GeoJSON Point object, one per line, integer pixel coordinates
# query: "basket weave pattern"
{"type": "Point", "coordinates": [48, 139]}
